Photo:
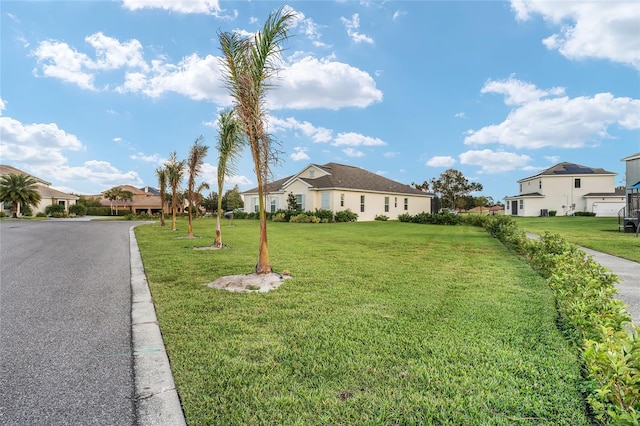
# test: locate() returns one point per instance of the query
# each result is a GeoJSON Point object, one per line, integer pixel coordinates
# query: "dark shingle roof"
{"type": "Point", "coordinates": [341, 176]}
{"type": "Point", "coordinates": [570, 169]}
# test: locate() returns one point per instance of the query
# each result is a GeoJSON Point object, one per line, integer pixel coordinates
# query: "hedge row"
{"type": "Point", "coordinates": [590, 317]}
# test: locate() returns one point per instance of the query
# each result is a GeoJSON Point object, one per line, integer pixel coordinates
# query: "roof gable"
{"type": "Point", "coordinates": [8, 170]}
{"type": "Point", "coordinates": [635, 156]}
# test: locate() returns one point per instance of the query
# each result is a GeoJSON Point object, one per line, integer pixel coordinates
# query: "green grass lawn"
{"type": "Point", "coordinates": [597, 233]}
{"type": "Point", "coordinates": [382, 323]}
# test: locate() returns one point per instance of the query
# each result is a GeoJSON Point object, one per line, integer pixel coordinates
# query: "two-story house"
{"type": "Point", "coordinates": [48, 195]}
{"type": "Point", "coordinates": [567, 188]}
{"type": "Point", "coordinates": [632, 209]}
{"type": "Point", "coordinates": [338, 187]}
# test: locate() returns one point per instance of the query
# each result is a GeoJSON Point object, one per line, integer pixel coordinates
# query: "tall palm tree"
{"type": "Point", "coordinates": [19, 190]}
{"type": "Point", "coordinates": [230, 144]}
{"type": "Point", "coordinates": [249, 63]}
{"type": "Point", "coordinates": [196, 158]}
{"type": "Point", "coordinates": [112, 195]}
{"type": "Point", "coordinates": [175, 173]}
{"type": "Point", "coordinates": [197, 195]}
{"type": "Point", "coordinates": [125, 195]}
{"type": "Point", "coordinates": [161, 173]}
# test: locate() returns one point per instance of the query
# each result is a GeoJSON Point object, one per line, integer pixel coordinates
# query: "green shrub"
{"type": "Point", "coordinates": [98, 211]}
{"type": "Point", "coordinates": [55, 210]}
{"type": "Point", "coordinates": [346, 216]}
{"type": "Point", "coordinates": [552, 213]}
{"type": "Point", "coordinates": [39, 214]}
{"type": "Point", "coordinates": [25, 209]}
{"type": "Point", "coordinates": [279, 217]}
{"type": "Point", "coordinates": [381, 217]}
{"type": "Point", "coordinates": [300, 218]}
{"type": "Point", "coordinates": [590, 214]}
{"type": "Point", "coordinates": [78, 209]}
{"type": "Point", "coordinates": [475, 220]}
{"type": "Point", "coordinates": [405, 217]}
{"type": "Point", "coordinates": [323, 214]}
{"type": "Point", "coordinates": [3, 214]}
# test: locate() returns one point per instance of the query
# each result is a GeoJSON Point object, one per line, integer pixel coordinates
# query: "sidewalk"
{"type": "Point", "coordinates": [629, 274]}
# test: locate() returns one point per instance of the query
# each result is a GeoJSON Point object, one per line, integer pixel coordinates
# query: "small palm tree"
{"type": "Point", "coordinates": [196, 159]}
{"type": "Point", "coordinates": [19, 190]}
{"type": "Point", "coordinates": [175, 173]}
{"type": "Point", "coordinates": [197, 195]}
{"type": "Point", "coordinates": [230, 144]}
{"type": "Point", "coordinates": [161, 172]}
{"type": "Point", "coordinates": [249, 64]}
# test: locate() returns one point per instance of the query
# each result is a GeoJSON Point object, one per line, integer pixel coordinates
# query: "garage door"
{"type": "Point", "coordinates": [607, 209]}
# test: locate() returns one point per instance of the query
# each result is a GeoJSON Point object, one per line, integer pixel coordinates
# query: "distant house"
{"type": "Point", "coordinates": [48, 195]}
{"type": "Point", "coordinates": [145, 200]}
{"type": "Point", "coordinates": [632, 208]}
{"type": "Point", "coordinates": [567, 188]}
{"type": "Point", "coordinates": [338, 187]}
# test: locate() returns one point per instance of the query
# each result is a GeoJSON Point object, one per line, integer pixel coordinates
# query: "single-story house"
{"type": "Point", "coordinates": [144, 200]}
{"type": "Point", "coordinates": [48, 195]}
{"type": "Point", "coordinates": [339, 187]}
{"type": "Point", "coordinates": [567, 188]}
{"type": "Point", "coordinates": [632, 208]}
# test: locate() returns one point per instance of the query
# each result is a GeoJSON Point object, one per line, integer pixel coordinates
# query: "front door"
{"type": "Point", "coordinates": [514, 208]}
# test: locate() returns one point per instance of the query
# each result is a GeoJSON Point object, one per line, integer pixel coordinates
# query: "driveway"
{"type": "Point", "coordinates": [65, 323]}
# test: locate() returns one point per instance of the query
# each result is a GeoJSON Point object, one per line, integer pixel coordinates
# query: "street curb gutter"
{"type": "Point", "coordinates": [156, 397]}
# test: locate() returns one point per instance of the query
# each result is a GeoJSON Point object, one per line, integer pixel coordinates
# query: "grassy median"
{"type": "Point", "coordinates": [597, 233]}
{"type": "Point", "coordinates": [382, 323]}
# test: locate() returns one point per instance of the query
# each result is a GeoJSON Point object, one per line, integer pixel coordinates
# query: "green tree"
{"type": "Point", "coordinates": [18, 190]}
{"type": "Point", "coordinates": [175, 173]}
{"type": "Point", "coordinates": [78, 209]}
{"type": "Point", "coordinates": [232, 199]}
{"type": "Point", "coordinates": [292, 202]}
{"type": "Point", "coordinates": [196, 159]}
{"type": "Point", "coordinates": [451, 185]}
{"type": "Point", "coordinates": [230, 144]}
{"type": "Point", "coordinates": [249, 65]}
{"type": "Point", "coordinates": [210, 202]}
{"type": "Point", "coordinates": [198, 197]}
{"type": "Point", "coordinates": [161, 173]}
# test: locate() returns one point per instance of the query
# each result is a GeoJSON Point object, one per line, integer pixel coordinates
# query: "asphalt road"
{"type": "Point", "coordinates": [65, 323]}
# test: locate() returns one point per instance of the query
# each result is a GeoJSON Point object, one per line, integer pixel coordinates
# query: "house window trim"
{"type": "Point", "coordinates": [386, 204]}
{"type": "Point", "coordinates": [362, 203]}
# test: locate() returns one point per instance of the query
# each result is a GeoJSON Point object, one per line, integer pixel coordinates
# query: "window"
{"type": "Point", "coordinates": [507, 204]}
{"type": "Point", "coordinates": [395, 202]}
{"type": "Point", "coordinates": [61, 202]}
{"type": "Point", "coordinates": [324, 202]}
{"type": "Point", "coordinates": [312, 173]}
{"type": "Point", "coordinates": [341, 200]}
{"type": "Point", "coordinates": [274, 205]}
{"type": "Point", "coordinates": [406, 204]}
{"type": "Point", "coordinates": [255, 204]}
{"type": "Point", "coordinates": [386, 204]}
{"type": "Point", "coordinates": [300, 201]}
{"type": "Point", "coordinates": [576, 183]}
{"type": "Point", "coordinates": [521, 204]}
{"type": "Point", "coordinates": [362, 204]}
{"type": "Point", "coordinates": [521, 188]}
{"type": "Point", "coordinates": [540, 184]}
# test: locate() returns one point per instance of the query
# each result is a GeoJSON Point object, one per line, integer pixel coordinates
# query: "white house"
{"type": "Point", "coordinates": [632, 208]}
{"type": "Point", "coordinates": [338, 187]}
{"type": "Point", "coordinates": [567, 188]}
{"type": "Point", "coordinates": [48, 195]}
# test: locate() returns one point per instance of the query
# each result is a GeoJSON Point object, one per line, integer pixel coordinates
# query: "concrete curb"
{"type": "Point", "coordinates": [156, 397]}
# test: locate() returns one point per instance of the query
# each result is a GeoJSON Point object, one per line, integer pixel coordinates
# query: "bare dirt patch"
{"type": "Point", "coordinates": [259, 283]}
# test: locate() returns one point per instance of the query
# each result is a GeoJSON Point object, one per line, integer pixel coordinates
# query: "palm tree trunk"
{"type": "Point", "coordinates": [218, 241]}
{"type": "Point", "coordinates": [190, 226]}
{"type": "Point", "coordinates": [264, 265]}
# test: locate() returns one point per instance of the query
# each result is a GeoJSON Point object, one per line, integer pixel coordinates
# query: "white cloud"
{"type": "Point", "coordinates": [141, 156]}
{"type": "Point", "coordinates": [59, 60]}
{"type": "Point", "coordinates": [350, 152]}
{"type": "Point", "coordinates": [313, 83]}
{"type": "Point", "coordinates": [3, 105]}
{"type": "Point", "coordinates": [195, 77]}
{"type": "Point", "coordinates": [563, 122]}
{"type": "Point", "coordinates": [552, 158]}
{"type": "Point", "coordinates": [352, 25]}
{"type": "Point", "coordinates": [494, 161]}
{"type": "Point", "coordinates": [397, 14]}
{"type": "Point", "coordinates": [307, 26]}
{"type": "Point", "coordinates": [317, 134]}
{"type": "Point", "coordinates": [391, 154]}
{"type": "Point", "coordinates": [356, 139]}
{"type": "Point", "coordinates": [117, 140]}
{"type": "Point", "coordinates": [36, 143]}
{"type": "Point", "coordinates": [459, 115]}
{"type": "Point", "coordinates": [299, 154]}
{"type": "Point", "coordinates": [441, 161]}
{"type": "Point", "coordinates": [102, 174]}
{"type": "Point", "coordinates": [181, 6]}
{"type": "Point", "coordinates": [595, 29]}
{"type": "Point", "coordinates": [518, 92]}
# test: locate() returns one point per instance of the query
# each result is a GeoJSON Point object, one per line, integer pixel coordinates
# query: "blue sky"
{"type": "Point", "coordinates": [98, 93]}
